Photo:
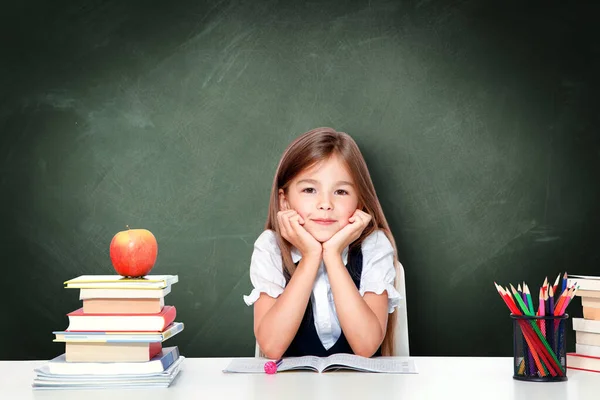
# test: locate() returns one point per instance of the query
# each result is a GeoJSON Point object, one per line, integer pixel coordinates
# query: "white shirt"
{"type": "Point", "coordinates": [378, 273]}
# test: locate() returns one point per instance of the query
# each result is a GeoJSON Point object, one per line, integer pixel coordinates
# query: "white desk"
{"type": "Point", "coordinates": [439, 377]}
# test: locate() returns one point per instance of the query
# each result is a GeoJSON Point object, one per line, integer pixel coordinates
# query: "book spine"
{"type": "Point", "coordinates": [170, 358]}
{"type": "Point", "coordinates": [169, 316]}
{"type": "Point", "coordinates": [170, 333]}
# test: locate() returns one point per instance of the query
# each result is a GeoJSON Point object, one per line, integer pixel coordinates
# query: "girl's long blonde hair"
{"type": "Point", "coordinates": [309, 149]}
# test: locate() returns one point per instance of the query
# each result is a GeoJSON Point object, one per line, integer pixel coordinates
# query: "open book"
{"type": "Point", "coordinates": [390, 365]}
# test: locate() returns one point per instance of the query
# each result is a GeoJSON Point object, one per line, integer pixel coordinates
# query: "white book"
{"type": "Point", "coordinates": [121, 282]}
{"type": "Point", "coordinates": [587, 350]}
{"type": "Point", "coordinates": [119, 337]}
{"type": "Point", "coordinates": [44, 372]}
{"type": "Point", "coordinates": [390, 365]}
{"type": "Point", "coordinates": [589, 338]}
{"type": "Point", "coordinates": [85, 294]}
{"type": "Point", "coordinates": [38, 386]}
{"type": "Point", "coordinates": [45, 381]}
{"type": "Point", "coordinates": [597, 278]}
{"type": "Point", "coordinates": [586, 325]}
{"type": "Point", "coordinates": [591, 283]}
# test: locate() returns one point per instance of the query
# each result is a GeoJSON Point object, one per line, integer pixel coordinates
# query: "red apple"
{"type": "Point", "coordinates": [133, 252]}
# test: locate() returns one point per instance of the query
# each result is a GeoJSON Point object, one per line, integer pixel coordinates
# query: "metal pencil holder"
{"type": "Point", "coordinates": [539, 344]}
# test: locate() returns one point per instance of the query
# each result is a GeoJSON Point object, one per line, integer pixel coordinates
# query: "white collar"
{"type": "Point", "coordinates": [297, 256]}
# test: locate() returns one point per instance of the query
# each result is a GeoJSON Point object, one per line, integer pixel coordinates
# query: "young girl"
{"type": "Point", "coordinates": [324, 269]}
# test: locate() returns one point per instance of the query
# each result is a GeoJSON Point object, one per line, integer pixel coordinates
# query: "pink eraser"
{"type": "Point", "coordinates": [270, 367]}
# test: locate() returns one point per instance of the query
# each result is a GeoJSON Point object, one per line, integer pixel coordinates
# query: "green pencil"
{"type": "Point", "coordinates": [528, 294]}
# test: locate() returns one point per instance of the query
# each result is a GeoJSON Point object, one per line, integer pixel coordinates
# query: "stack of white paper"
{"type": "Point", "coordinates": [46, 380]}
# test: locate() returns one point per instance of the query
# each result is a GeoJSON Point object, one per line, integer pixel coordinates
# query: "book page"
{"type": "Point", "coordinates": [247, 365]}
{"type": "Point", "coordinates": [306, 362]}
{"type": "Point", "coordinates": [257, 365]}
{"type": "Point", "coordinates": [390, 365]}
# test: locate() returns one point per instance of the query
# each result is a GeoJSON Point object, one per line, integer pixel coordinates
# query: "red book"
{"type": "Point", "coordinates": [583, 362]}
{"type": "Point", "coordinates": [78, 321]}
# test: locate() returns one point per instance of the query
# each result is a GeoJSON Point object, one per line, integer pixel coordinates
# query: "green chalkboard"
{"type": "Point", "coordinates": [478, 122]}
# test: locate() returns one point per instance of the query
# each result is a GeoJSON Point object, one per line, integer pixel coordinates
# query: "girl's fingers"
{"type": "Point", "coordinates": [286, 213]}
{"type": "Point", "coordinates": [363, 217]}
{"type": "Point", "coordinates": [288, 231]}
{"type": "Point", "coordinates": [295, 224]}
{"type": "Point", "coordinates": [284, 224]}
{"type": "Point", "coordinates": [293, 220]}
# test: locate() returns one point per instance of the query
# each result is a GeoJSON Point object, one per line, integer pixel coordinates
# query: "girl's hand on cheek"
{"type": "Point", "coordinates": [290, 226]}
{"type": "Point", "coordinates": [348, 234]}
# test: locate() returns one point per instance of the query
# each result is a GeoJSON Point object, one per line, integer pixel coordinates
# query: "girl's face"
{"type": "Point", "coordinates": [325, 196]}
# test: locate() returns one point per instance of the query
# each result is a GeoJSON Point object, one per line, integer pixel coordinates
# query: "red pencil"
{"type": "Point", "coordinates": [554, 287]}
{"type": "Point", "coordinates": [508, 300]}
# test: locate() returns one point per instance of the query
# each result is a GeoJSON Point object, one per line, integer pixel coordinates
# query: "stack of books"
{"type": "Point", "coordinates": [587, 329]}
{"type": "Point", "coordinates": [115, 340]}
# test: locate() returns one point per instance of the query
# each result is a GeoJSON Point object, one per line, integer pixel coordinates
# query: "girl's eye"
{"type": "Point", "coordinates": [341, 191]}
{"type": "Point", "coordinates": [309, 190]}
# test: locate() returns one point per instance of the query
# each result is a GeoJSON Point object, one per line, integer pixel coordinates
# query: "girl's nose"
{"type": "Point", "coordinates": [325, 204]}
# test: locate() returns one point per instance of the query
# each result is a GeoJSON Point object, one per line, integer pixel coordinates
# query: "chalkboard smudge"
{"type": "Point", "coordinates": [58, 100]}
{"type": "Point", "coordinates": [139, 121]}
{"type": "Point", "coordinates": [547, 239]}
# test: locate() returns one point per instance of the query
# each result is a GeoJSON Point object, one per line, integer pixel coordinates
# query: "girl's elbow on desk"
{"type": "Point", "coordinates": [365, 351]}
{"type": "Point", "coordinates": [274, 353]}
{"type": "Point", "coordinates": [270, 347]}
{"type": "Point", "coordinates": [368, 345]}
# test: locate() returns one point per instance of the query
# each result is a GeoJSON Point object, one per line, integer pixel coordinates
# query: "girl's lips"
{"type": "Point", "coordinates": [324, 221]}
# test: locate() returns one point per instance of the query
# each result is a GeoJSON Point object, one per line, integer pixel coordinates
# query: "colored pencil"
{"type": "Point", "coordinates": [555, 286]}
{"type": "Point", "coordinates": [529, 365]}
{"type": "Point", "coordinates": [536, 329]}
{"type": "Point", "coordinates": [568, 298]}
{"type": "Point", "coordinates": [550, 326]}
{"type": "Point", "coordinates": [521, 370]}
{"type": "Point", "coordinates": [528, 294]}
{"type": "Point", "coordinates": [506, 297]}
{"type": "Point", "coordinates": [543, 309]}
{"type": "Point", "coordinates": [542, 312]}
{"type": "Point", "coordinates": [534, 355]}
{"type": "Point", "coordinates": [559, 304]}
{"type": "Point", "coordinates": [528, 332]}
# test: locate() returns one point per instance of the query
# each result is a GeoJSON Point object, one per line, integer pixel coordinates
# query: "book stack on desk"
{"type": "Point", "coordinates": [116, 338]}
{"type": "Point", "coordinates": [587, 329]}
